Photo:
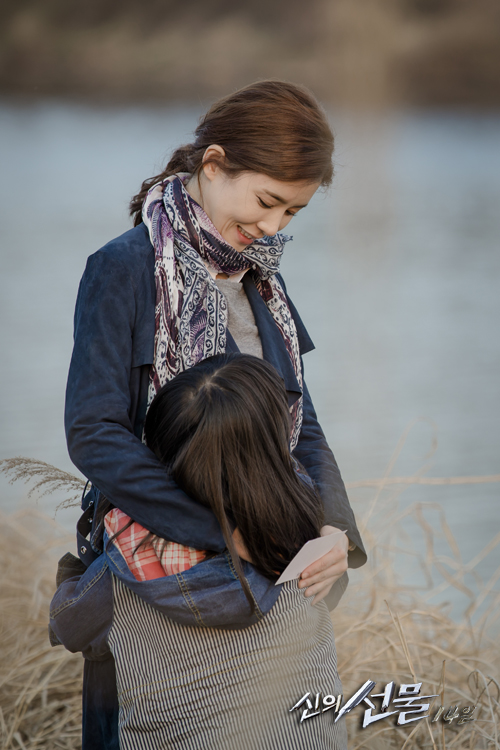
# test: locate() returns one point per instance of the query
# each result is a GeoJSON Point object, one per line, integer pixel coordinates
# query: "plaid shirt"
{"type": "Point", "coordinates": [154, 559]}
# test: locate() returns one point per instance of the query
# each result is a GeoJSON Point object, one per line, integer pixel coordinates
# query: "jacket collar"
{"type": "Point", "coordinates": [207, 595]}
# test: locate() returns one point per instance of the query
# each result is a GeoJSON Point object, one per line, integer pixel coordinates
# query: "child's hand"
{"type": "Point", "coordinates": [320, 576]}
{"type": "Point", "coordinates": [240, 546]}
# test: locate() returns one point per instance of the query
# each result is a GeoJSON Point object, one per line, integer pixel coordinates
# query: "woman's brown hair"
{"type": "Point", "coordinates": [222, 429]}
{"type": "Point", "coordinates": [272, 127]}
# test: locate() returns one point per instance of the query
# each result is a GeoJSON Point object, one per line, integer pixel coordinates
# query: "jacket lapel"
{"type": "Point", "coordinates": [231, 345]}
{"type": "Point", "coordinates": [273, 346]}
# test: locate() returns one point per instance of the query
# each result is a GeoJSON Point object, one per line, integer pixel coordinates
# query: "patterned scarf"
{"type": "Point", "coordinates": [191, 313]}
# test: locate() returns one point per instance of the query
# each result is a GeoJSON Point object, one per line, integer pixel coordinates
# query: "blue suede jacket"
{"type": "Point", "coordinates": [106, 405]}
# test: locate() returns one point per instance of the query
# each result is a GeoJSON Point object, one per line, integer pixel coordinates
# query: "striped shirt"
{"type": "Point", "coordinates": [191, 688]}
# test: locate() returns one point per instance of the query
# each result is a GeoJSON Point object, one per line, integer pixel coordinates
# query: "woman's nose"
{"type": "Point", "coordinates": [271, 223]}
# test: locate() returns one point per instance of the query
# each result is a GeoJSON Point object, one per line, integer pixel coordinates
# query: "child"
{"type": "Point", "coordinates": [222, 430]}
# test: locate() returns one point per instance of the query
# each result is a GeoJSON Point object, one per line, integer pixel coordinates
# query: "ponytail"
{"type": "Point", "coordinates": [182, 160]}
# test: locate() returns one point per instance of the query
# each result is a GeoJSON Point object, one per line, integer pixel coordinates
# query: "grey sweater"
{"type": "Point", "coordinates": [241, 321]}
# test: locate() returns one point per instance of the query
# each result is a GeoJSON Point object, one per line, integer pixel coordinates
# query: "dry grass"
{"type": "Point", "coordinates": [387, 630]}
{"type": "Point", "coordinates": [40, 687]}
{"type": "Point", "coordinates": [384, 632]}
{"type": "Point", "coordinates": [46, 479]}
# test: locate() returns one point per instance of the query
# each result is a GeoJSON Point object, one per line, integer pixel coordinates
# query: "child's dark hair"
{"type": "Point", "coordinates": [222, 428]}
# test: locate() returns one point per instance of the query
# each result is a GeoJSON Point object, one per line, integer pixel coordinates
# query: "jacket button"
{"type": "Point", "coordinates": [83, 549]}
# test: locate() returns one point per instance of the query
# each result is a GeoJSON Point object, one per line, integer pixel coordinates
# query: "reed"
{"type": "Point", "coordinates": [40, 686]}
{"type": "Point", "coordinates": [384, 630]}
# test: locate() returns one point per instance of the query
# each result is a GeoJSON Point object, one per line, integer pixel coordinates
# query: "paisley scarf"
{"type": "Point", "coordinates": [191, 313]}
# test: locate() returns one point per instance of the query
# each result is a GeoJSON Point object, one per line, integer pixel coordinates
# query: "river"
{"type": "Point", "coordinates": [395, 271]}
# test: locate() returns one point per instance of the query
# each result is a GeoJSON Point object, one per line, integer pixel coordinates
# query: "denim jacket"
{"type": "Point", "coordinates": [207, 595]}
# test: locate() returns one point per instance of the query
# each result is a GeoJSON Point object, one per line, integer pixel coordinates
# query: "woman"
{"type": "Point", "coordinates": [222, 428]}
{"type": "Point", "coordinates": [150, 305]}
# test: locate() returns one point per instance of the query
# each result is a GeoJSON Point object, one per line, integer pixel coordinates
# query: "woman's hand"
{"type": "Point", "coordinates": [320, 576]}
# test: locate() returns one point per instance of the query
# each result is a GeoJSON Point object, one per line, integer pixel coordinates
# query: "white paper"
{"type": "Point", "coordinates": [310, 552]}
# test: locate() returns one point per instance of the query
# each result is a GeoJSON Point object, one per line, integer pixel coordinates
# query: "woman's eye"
{"type": "Point", "coordinates": [264, 205]}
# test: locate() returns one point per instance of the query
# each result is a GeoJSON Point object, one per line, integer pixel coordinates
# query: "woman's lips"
{"type": "Point", "coordinates": [243, 238]}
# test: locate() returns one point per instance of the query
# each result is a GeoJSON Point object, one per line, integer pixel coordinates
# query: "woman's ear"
{"type": "Point", "coordinates": [212, 159]}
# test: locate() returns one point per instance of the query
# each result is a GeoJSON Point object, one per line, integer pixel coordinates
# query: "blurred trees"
{"type": "Point", "coordinates": [350, 52]}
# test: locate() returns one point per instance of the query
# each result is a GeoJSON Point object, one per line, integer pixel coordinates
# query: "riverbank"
{"type": "Point", "coordinates": [369, 53]}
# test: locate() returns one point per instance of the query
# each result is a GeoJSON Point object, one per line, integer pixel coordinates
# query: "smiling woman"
{"type": "Point", "coordinates": [197, 276]}
{"type": "Point", "coordinates": [271, 128]}
{"type": "Point", "coordinates": [248, 207]}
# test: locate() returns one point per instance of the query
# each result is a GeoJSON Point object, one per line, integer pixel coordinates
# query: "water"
{"type": "Point", "coordinates": [395, 272]}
